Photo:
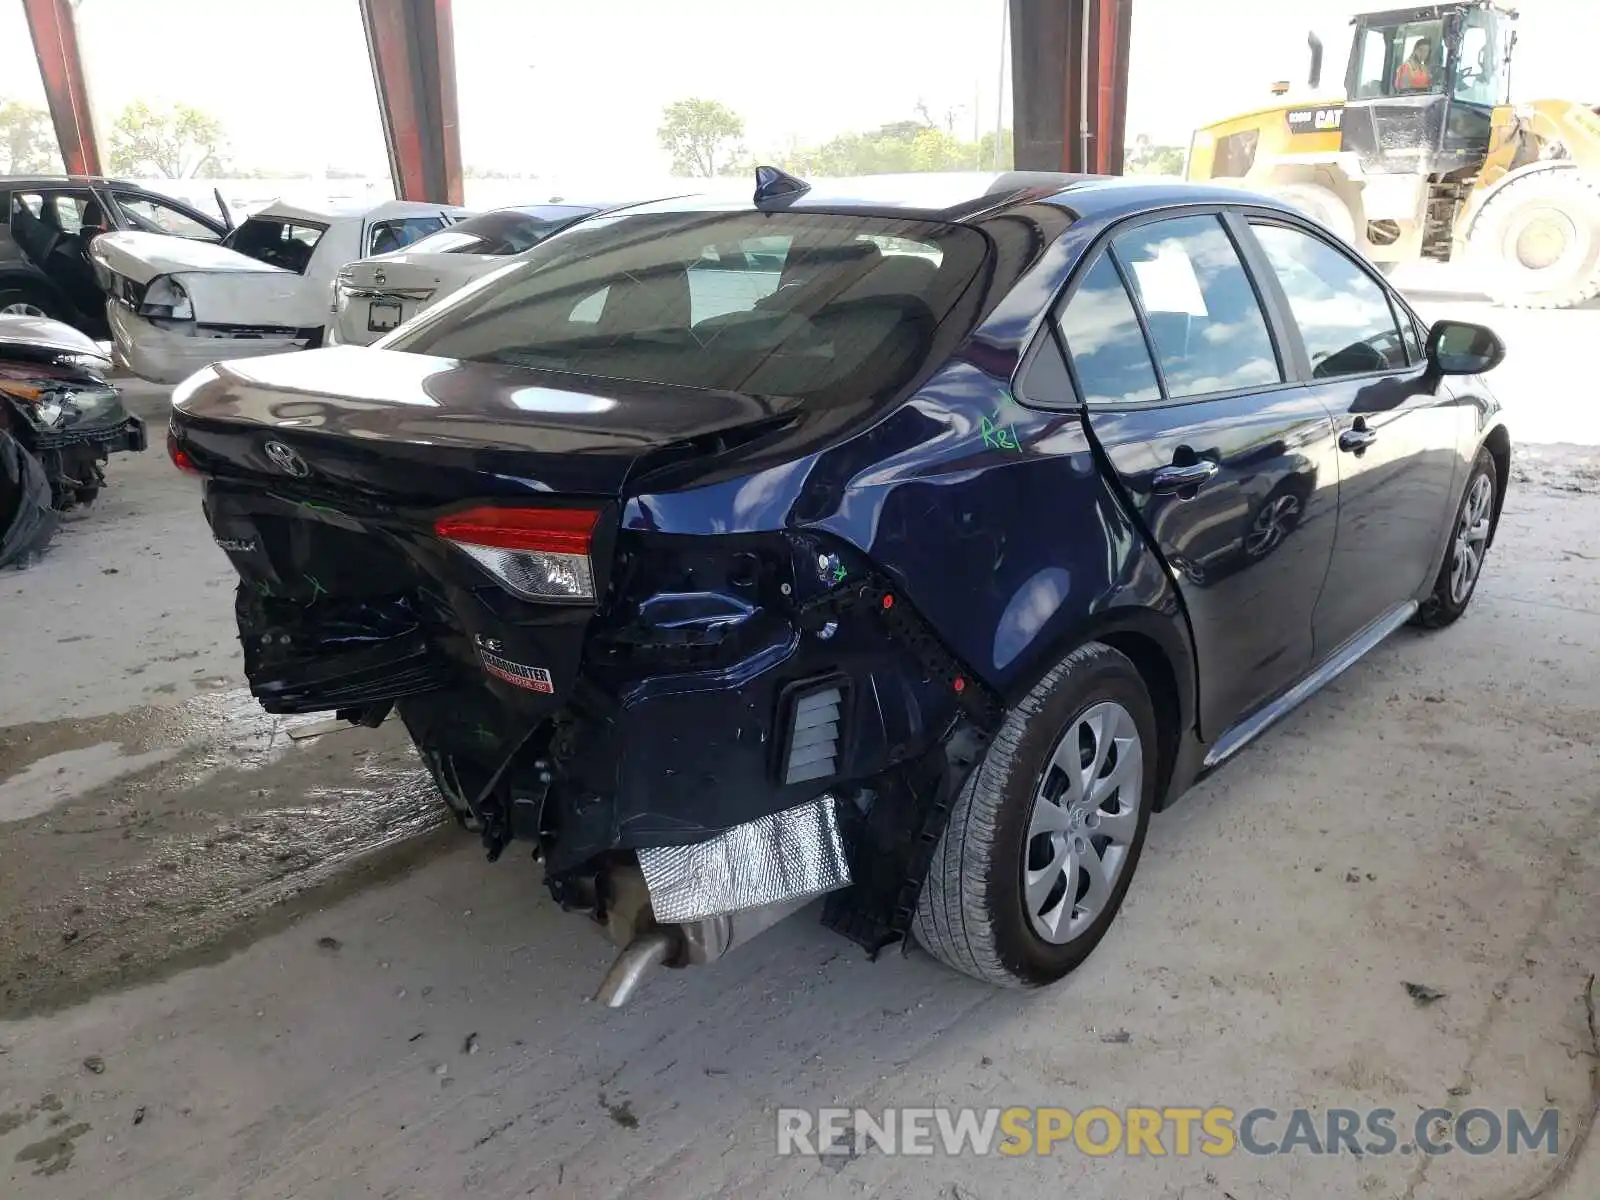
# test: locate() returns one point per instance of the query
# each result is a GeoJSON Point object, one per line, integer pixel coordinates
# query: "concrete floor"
{"type": "Point", "coordinates": [240, 960]}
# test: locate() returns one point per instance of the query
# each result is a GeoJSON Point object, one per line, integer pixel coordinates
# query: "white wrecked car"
{"type": "Point", "coordinates": [177, 305]}
{"type": "Point", "coordinates": [373, 296]}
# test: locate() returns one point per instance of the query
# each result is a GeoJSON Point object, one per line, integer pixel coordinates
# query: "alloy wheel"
{"type": "Point", "coordinates": [1472, 538]}
{"type": "Point", "coordinates": [23, 309]}
{"type": "Point", "coordinates": [1084, 820]}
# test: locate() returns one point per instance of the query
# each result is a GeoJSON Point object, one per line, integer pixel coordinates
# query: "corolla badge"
{"type": "Point", "coordinates": [286, 460]}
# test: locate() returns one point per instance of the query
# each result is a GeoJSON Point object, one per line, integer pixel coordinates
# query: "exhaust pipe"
{"type": "Point", "coordinates": [628, 971]}
{"type": "Point", "coordinates": [692, 943]}
{"type": "Point", "coordinates": [720, 893]}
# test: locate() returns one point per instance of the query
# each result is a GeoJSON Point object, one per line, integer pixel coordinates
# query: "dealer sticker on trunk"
{"type": "Point", "coordinates": [534, 679]}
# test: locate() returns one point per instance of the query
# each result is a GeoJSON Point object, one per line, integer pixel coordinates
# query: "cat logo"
{"type": "Point", "coordinates": [1315, 120]}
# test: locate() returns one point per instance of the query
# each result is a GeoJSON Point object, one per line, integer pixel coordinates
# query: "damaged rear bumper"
{"type": "Point", "coordinates": [780, 730]}
{"type": "Point", "coordinates": [170, 355]}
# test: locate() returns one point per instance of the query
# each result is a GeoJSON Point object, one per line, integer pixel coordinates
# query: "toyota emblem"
{"type": "Point", "coordinates": [379, 278]}
{"type": "Point", "coordinates": [286, 460]}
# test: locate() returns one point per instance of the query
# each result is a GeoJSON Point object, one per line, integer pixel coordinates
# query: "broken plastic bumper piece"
{"type": "Point", "coordinates": [790, 855]}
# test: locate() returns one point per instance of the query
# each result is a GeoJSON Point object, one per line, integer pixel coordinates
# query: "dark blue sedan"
{"type": "Point", "coordinates": [908, 545]}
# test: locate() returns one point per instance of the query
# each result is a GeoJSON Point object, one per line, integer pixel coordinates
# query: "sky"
{"type": "Point", "coordinates": [558, 88]}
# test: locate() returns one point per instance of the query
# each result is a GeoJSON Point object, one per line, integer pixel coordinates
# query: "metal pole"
{"type": "Point", "coordinates": [1084, 161]}
{"type": "Point", "coordinates": [1000, 85]}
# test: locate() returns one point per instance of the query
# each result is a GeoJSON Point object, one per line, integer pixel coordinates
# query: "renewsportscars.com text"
{"type": "Point", "coordinates": [1156, 1132]}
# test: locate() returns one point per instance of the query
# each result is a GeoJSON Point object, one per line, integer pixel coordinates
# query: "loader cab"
{"type": "Point", "coordinates": [1422, 85]}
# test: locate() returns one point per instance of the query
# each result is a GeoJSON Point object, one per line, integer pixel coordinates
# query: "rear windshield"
{"type": "Point", "coordinates": [279, 243]}
{"type": "Point", "coordinates": [783, 304]}
{"type": "Point", "coordinates": [508, 231]}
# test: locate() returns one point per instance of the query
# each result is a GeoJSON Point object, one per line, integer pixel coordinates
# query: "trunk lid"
{"type": "Point", "coordinates": [405, 270]}
{"type": "Point", "coordinates": [142, 257]}
{"type": "Point", "coordinates": [329, 470]}
{"type": "Point", "coordinates": [376, 295]}
{"type": "Point", "coordinates": [42, 338]}
{"type": "Point", "coordinates": [421, 430]}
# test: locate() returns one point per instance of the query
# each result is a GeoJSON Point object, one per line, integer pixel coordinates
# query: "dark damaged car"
{"type": "Point", "coordinates": [60, 421]}
{"type": "Point", "coordinates": [906, 547]}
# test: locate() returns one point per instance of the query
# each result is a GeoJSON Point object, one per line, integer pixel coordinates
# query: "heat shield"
{"type": "Point", "coordinates": [787, 856]}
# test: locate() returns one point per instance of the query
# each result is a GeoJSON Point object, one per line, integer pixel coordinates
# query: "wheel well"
{"type": "Point", "coordinates": [1498, 444]}
{"type": "Point", "coordinates": [1161, 682]}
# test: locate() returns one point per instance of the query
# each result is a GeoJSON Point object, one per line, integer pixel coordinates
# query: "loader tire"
{"type": "Point", "coordinates": [1320, 204]}
{"type": "Point", "coordinates": [1537, 240]}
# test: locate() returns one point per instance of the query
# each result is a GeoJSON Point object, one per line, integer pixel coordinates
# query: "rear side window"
{"type": "Point", "coordinates": [787, 304]}
{"type": "Point", "coordinates": [1209, 331]}
{"type": "Point", "coordinates": [152, 216]}
{"type": "Point", "coordinates": [1343, 314]}
{"type": "Point", "coordinates": [276, 242]}
{"type": "Point", "coordinates": [1105, 342]}
{"type": "Point", "coordinates": [385, 237]}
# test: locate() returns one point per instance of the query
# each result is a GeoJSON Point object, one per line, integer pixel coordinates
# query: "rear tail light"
{"type": "Point", "coordinates": [537, 553]}
{"type": "Point", "coordinates": [179, 456]}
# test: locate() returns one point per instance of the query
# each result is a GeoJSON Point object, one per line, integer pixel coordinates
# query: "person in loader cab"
{"type": "Point", "coordinates": [1412, 75]}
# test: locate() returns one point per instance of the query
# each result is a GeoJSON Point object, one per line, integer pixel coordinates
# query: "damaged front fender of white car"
{"type": "Point", "coordinates": [175, 306]}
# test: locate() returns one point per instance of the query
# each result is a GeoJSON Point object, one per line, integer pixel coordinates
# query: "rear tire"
{"type": "Point", "coordinates": [1537, 240]}
{"type": "Point", "coordinates": [1012, 896]}
{"type": "Point", "coordinates": [21, 298]}
{"type": "Point", "coordinates": [1470, 534]}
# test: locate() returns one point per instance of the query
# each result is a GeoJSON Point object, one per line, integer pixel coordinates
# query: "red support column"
{"type": "Point", "coordinates": [55, 43]}
{"type": "Point", "coordinates": [1070, 83]}
{"type": "Point", "coordinates": [1113, 21]}
{"type": "Point", "coordinates": [412, 48]}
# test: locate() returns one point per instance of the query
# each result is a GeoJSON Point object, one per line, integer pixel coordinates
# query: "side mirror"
{"type": "Point", "coordinates": [1315, 43]}
{"type": "Point", "coordinates": [1462, 348]}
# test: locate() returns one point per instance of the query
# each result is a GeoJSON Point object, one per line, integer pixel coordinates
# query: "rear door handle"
{"type": "Point", "coordinates": [1177, 479]}
{"type": "Point", "coordinates": [1357, 439]}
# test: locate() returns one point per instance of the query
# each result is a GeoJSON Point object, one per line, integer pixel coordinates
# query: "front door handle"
{"type": "Point", "coordinates": [1358, 437]}
{"type": "Point", "coordinates": [1356, 440]}
{"type": "Point", "coordinates": [1178, 479]}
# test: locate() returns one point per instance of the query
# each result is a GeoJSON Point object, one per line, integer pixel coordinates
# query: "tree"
{"type": "Point", "coordinates": [27, 141]}
{"type": "Point", "coordinates": [701, 135]}
{"type": "Point", "coordinates": [1145, 157]}
{"type": "Point", "coordinates": [179, 143]}
{"type": "Point", "coordinates": [899, 146]}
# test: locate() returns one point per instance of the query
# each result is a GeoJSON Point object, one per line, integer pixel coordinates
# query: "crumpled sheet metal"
{"type": "Point", "coordinates": [788, 855]}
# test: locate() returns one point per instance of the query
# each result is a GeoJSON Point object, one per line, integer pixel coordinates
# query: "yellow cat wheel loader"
{"type": "Point", "coordinates": [1423, 157]}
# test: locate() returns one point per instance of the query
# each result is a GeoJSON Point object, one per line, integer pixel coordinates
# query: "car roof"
{"type": "Point", "coordinates": [963, 197]}
{"type": "Point", "coordinates": [57, 180]}
{"type": "Point", "coordinates": [328, 214]}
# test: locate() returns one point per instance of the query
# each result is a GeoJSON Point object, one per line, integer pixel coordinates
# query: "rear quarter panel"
{"type": "Point", "coordinates": [992, 517]}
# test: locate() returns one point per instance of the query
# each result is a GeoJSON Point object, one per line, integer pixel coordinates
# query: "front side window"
{"type": "Point", "coordinates": [1404, 59]}
{"type": "Point", "coordinates": [1209, 331]}
{"type": "Point", "coordinates": [786, 304]}
{"type": "Point", "coordinates": [1343, 314]}
{"type": "Point", "coordinates": [385, 237]}
{"type": "Point", "coordinates": [1418, 52]}
{"type": "Point", "coordinates": [1480, 57]}
{"type": "Point", "coordinates": [1372, 69]}
{"type": "Point", "coordinates": [276, 241]}
{"type": "Point", "coordinates": [1104, 341]}
{"type": "Point", "coordinates": [152, 216]}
